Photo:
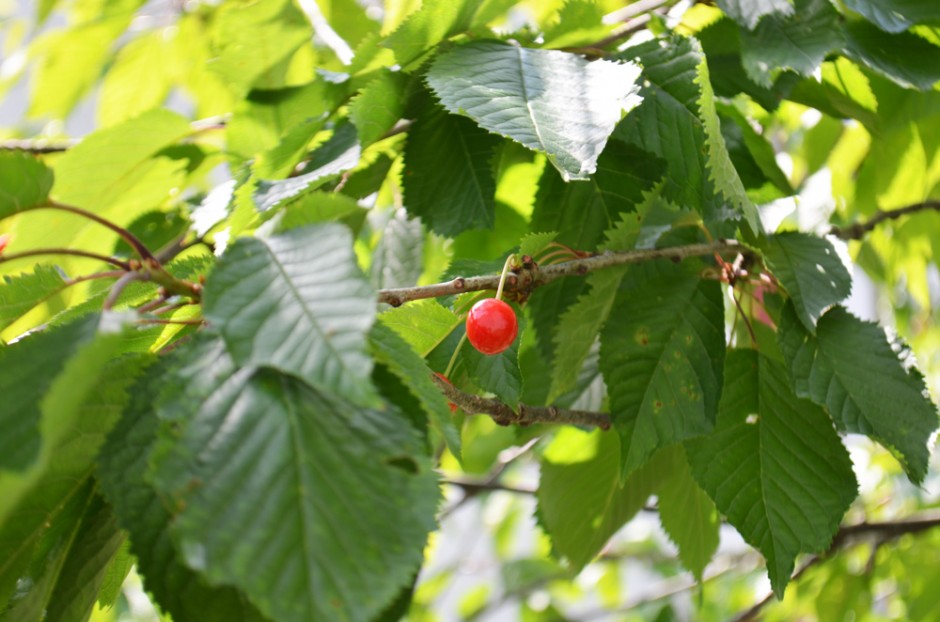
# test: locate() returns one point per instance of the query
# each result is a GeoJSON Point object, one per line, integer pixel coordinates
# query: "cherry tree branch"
{"type": "Point", "coordinates": [503, 414]}
{"type": "Point", "coordinates": [858, 230]}
{"type": "Point", "coordinates": [39, 252]}
{"type": "Point", "coordinates": [848, 535]}
{"type": "Point", "coordinates": [527, 280]}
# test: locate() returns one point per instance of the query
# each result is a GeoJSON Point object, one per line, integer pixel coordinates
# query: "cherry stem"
{"type": "Point", "coordinates": [453, 357]}
{"type": "Point", "coordinates": [502, 277]}
{"type": "Point", "coordinates": [114, 261]}
{"type": "Point", "coordinates": [566, 253]}
{"type": "Point", "coordinates": [139, 247]}
{"type": "Point", "coordinates": [119, 287]}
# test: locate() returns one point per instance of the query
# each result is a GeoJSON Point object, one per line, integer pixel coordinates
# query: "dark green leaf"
{"type": "Point", "coordinates": [378, 106]}
{"type": "Point", "coordinates": [298, 302]}
{"type": "Point", "coordinates": [905, 58]}
{"type": "Point", "coordinates": [896, 15]}
{"type": "Point", "coordinates": [329, 542]}
{"type": "Point", "coordinates": [749, 12]}
{"type": "Point", "coordinates": [122, 466]}
{"type": "Point", "coordinates": [662, 357]}
{"type": "Point", "coordinates": [582, 501]}
{"type": "Point", "coordinates": [687, 514]}
{"type": "Point", "coordinates": [867, 383]}
{"type": "Point", "coordinates": [810, 271]}
{"type": "Point", "coordinates": [774, 465]}
{"type": "Point", "coordinates": [549, 101]}
{"type": "Point", "coordinates": [448, 179]}
{"type": "Point", "coordinates": [24, 182]}
{"type": "Point", "coordinates": [799, 41]}
{"type": "Point", "coordinates": [393, 351]}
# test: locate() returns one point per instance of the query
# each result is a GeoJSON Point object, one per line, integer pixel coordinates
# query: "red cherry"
{"type": "Point", "coordinates": [451, 405]}
{"type": "Point", "coordinates": [491, 326]}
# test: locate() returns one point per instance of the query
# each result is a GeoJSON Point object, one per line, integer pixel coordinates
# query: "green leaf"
{"type": "Point", "coordinates": [318, 206]}
{"type": "Point", "coordinates": [749, 12]}
{"type": "Point", "coordinates": [580, 22]}
{"type": "Point", "coordinates": [99, 170]}
{"type": "Point", "coordinates": [139, 79]}
{"type": "Point", "coordinates": [251, 38]}
{"type": "Point", "coordinates": [534, 243]}
{"type": "Point", "coordinates": [867, 383]}
{"type": "Point", "coordinates": [687, 514]}
{"type": "Point", "coordinates": [122, 466]}
{"type": "Point", "coordinates": [424, 324]}
{"type": "Point", "coordinates": [549, 101]}
{"type": "Point", "coordinates": [896, 15]}
{"type": "Point", "coordinates": [31, 370]}
{"type": "Point", "coordinates": [378, 106]}
{"type": "Point", "coordinates": [328, 541]}
{"type": "Point", "coordinates": [77, 411]}
{"type": "Point", "coordinates": [298, 302]}
{"type": "Point", "coordinates": [96, 542]}
{"type": "Point", "coordinates": [435, 21]}
{"type": "Point", "coordinates": [799, 41]}
{"type": "Point", "coordinates": [579, 325]}
{"type": "Point", "coordinates": [24, 182]}
{"type": "Point", "coordinates": [398, 258]}
{"type": "Point", "coordinates": [393, 351]}
{"type": "Point", "coordinates": [759, 150]}
{"type": "Point", "coordinates": [115, 574]}
{"type": "Point", "coordinates": [581, 499]}
{"type": "Point", "coordinates": [662, 359]}
{"type": "Point", "coordinates": [448, 178]}
{"type": "Point", "coordinates": [774, 465]}
{"type": "Point", "coordinates": [340, 153]}
{"type": "Point", "coordinates": [811, 272]}
{"type": "Point", "coordinates": [20, 293]}
{"type": "Point", "coordinates": [677, 122]}
{"type": "Point", "coordinates": [904, 58]}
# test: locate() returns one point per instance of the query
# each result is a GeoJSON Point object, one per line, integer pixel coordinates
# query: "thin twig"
{"type": "Point", "coordinates": [38, 146]}
{"type": "Point", "coordinates": [848, 535]}
{"type": "Point", "coordinates": [139, 247]}
{"type": "Point", "coordinates": [503, 414]}
{"type": "Point", "coordinates": [475, 487]}
{"type": "Point", "coordinates": [858, 230]}
{"type": "Point", "coordinates": [527, 281]}
{"type": "Point", "coordinates": [38, 252]}
{"type": "Point", "coordinates": [119, 287]}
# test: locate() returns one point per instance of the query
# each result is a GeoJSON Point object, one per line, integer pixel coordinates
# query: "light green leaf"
{"type": "Point", "coordinates": [329, 542]}
{"type": "Point", "coordinates": [580, 22]}
{"type": "Point", "coordinates": [896, 15]}
{"type": "Point", "coordinates": [904, 58]}
{"type": "Point", "coordinates": [122, 465]}
{"type": "Point", "coordinates": [811, 272]}
{"type": "Point", "coordinates": [20, 293]}
{"type": "Point", "coordinates": [687, 514]}
{"type": "Point", "coordinates": [115, 574]}
{"type": "Point", "coordinates": [378, 106]}
{"type": "Point", "coordinates": [424, 324]}
{"type": "Point", "coordinates": [774, 465]}
{"type": "Point", "coordinates": [298, 302]}
{"type": "Point", "coordinates": [251, 39]}
{"type": "Point", "coordinates": [318, 206]}
{"type": "Point", "coordinates": [799, 41]}
{"type": "Point", "coordinates": [662, 358]}
{"type": "Point", "coordinates": [534, 243]}
{"type": "Point", "coordinates": [581, 499]}
{"type": "Point", "coordinates": [749, 12]}
{"type": "Point", "coordinates": [139, 79]}
{"type": "Point", "coordinates": [100, 169]}
{"type": "Point", "coordinates": [867, 383]}
{"type": "Point", "coordinates": [24, 182]}
{"type": "Point", "coordinates": [393, 351]}
{"type": "Point", "coordinates": [549, 101]}
{"type": "Point", "coordinates": [448, 178]}
{"type": "Point", "coordinates": [435, 21]}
